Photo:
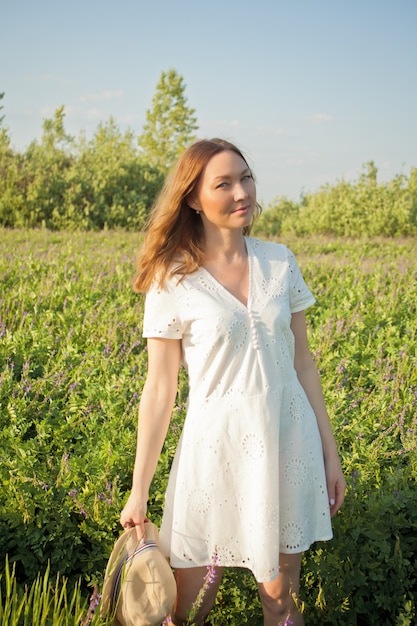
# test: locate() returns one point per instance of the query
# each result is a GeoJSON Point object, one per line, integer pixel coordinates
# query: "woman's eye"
{"type": "Point", "coordinates": [221, 185]}
{"type": "Point", "coordinates": [247, 177]}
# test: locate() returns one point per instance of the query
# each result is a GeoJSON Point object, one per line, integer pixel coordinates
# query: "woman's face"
{"type": "Point", "coordinates": [226, 194]}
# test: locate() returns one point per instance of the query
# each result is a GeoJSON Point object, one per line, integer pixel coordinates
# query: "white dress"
{"type": "Point", "coordinates": [248, 479]}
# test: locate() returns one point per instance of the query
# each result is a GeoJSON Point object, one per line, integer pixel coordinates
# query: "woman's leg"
{"type": "Point", "coordinates": [277, 596]}
{"type": "Point", "coordinates": [190, 582]}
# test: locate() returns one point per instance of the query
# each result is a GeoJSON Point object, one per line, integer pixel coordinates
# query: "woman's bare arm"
{"type": "Point", "coordinates": [155, 409]}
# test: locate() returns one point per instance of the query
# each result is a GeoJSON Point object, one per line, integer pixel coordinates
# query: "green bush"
{"type": "Point", "coordinates": [363, 208]}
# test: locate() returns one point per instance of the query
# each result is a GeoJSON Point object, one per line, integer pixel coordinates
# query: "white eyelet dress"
{"type": "Point", "coordinates": [248, 479]}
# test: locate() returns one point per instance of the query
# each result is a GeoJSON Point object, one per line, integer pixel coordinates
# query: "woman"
{"type": "Point", "coordinates": [256, 476]}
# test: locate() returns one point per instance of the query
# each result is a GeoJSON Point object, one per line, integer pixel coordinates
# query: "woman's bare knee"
{"type": "Point", "coordinates": [279, 596]}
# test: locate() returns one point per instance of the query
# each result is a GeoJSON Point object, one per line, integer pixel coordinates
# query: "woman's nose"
{"type": "Point", "coordinates": [240, 191]}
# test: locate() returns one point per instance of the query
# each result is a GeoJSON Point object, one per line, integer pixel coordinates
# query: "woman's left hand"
{"type": "Point", "coordinates": [336, 483]}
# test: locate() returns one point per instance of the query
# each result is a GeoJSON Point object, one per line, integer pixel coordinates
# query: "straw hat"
{"type": "Point", "coordinates": [139, 586]}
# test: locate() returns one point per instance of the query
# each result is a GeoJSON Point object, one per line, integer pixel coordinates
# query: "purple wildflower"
{"type": "Point", "coordinates": [94, 600]}
{"type": "Point", "coordinates": [209, 579]}
{"type": "Point", "coordinates": [211, 575]}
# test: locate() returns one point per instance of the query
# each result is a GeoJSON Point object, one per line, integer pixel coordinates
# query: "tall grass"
{"type": "Point", "coordinates": [44, 602]}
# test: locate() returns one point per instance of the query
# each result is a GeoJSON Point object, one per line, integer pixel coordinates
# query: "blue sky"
{"type": "Point", "coordinates": [309, 89]}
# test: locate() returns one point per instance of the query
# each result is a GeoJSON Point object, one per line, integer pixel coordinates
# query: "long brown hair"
{"type": "Point", "coordinates": [174, 240]}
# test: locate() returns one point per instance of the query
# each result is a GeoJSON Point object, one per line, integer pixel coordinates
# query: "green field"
{"type": "Point", "coordinates": [72, 365]}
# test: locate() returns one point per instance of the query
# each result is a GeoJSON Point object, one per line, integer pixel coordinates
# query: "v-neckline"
{"type": "Point", "coordinates": [226, 290]}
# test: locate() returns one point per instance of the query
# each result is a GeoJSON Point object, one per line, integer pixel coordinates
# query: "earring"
{"type": "Point", "coordinates": [198, 212]}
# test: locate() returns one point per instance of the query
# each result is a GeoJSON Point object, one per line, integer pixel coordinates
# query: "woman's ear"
{"type": "Point", "coordinates": [193, 203]}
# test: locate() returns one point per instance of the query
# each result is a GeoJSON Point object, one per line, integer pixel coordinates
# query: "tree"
{"type": "Point", "coordinates": [109, 187]}
{"type": "Point", "coordinates": [11, 178]}
{"type": "Point", "coordinates": [170, 123]}
{"type": "Point", "coordinates": [1, 107]}
{"type": "Point", "coordinates": [46, 165]}
{"type": "Point", "coordinates": [54, 137]}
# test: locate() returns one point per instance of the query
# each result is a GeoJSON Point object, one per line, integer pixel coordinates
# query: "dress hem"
{"type": "Point", "coordinates": [230, 565]}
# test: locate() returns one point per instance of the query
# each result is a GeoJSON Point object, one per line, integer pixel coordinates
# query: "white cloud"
{"type": "Point", "coordinates": [48, 111]}
{"type": "Point", "coordinates": [320, 118]}
{"type": "Point", "coordinates": [93, 114]}
{"type": "Point", "coordinates": [79, 114]}
{"type": "Point", "coordinates": [48, 78]}
{"type": "Point", "coordinates": [301, 161]}
{"type": "Point", "coordinates": [236, 125]}
{"type": "Point", "coordinates": [294, 161]}
{"type": "Point", "coordinates": [305, 158]}
{"type": "Point", "coordinates": [210, 124]}
{"type": "Point", "coordinates": [129, 119]}
{"type": "Point", "coordinates": [75, 114]}
{"type": "Point", "coordinates": [100, 97]}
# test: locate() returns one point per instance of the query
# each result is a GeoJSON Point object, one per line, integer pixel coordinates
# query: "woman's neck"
{"type": "Point", "coordinates": [229, 265]}
{"type": "Point", "coordinates": [226, 246]}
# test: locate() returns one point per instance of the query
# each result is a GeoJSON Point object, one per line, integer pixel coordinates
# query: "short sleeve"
{"type": "Point", "coordinates": [161, 316]}
{"type": "Point", "coordinates": [300, 295]}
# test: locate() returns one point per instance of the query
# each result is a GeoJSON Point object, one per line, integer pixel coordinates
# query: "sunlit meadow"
{"type": "Point", "coordinates": [72, 365]}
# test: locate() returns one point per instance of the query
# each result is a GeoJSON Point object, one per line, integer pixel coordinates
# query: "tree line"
{"type": "Point", "coordinates": [107, 182]}
{"type": "Point", "coordinates": [112, 180]}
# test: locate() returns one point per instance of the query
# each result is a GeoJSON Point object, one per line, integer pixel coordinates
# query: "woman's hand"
{"type": "Point", "coordinates": [336, 483]}
{"type": "Point", "coordinates": [134, 515]}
